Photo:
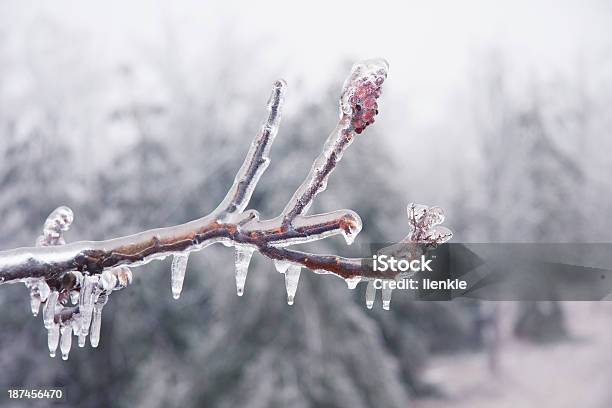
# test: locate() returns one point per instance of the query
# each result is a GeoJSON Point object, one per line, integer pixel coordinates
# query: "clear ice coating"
{"type": "Point", "coordinates": [243, 259]}
{"type": "Point", "coordinates": [352, 282]}
{"type": "Point", "coordinates": [386, 297]}
{"type": "Point", "coordinates": [56, 224]}
{"type": "Point", "coordinates": [49, 309]}
{"type": "Point", "coordinates": [53, 339]}
{"type": "Point", "coordinates": [292, 277]}
{"type": "Point", "coordinates": [179, 265]}
{"type": "Point", "coordinates": [370, 294]}
{"type": "Point", "coordinates": [66, 341]}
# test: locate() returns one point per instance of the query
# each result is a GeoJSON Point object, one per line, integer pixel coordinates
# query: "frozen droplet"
{"type": "Point", "coordinates": [49, 309]}
{"type": "Point", "coordinates": [34, 303]}
{"type": "Point", "coordinates": [353, 281]}
{"type": "Point", "coordinates": [179, 265]}
{"type": "Point", "coordinates": [124, 277]}
{"type": "Point", "coordinates": [292, 277]}
{"type": "Point", "coordinates": [370, 294]}
{"type": "Point", "coordinates": [351, 230]}
{"type": "Point", "coordinates": [66, 341]}
{"type": "Point", "coordinates": [386, 297]}
{"type": "Point", "coordinates": [281, 265]}
{"type": "Point", "coordinates": [108, 280]}
{"type": "Point", "coordinates": [53, 339]}
{"type": "Point", "coordinates": [243, 259]}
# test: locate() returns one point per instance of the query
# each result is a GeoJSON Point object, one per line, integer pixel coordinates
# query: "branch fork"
{"type": "Point", "coordinates": [85, 273]}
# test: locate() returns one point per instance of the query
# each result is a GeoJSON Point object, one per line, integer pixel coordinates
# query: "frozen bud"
{"type": "Point", "coordinates": [57, 222]}
{"type": "Point", "coordinates": [361, 91]}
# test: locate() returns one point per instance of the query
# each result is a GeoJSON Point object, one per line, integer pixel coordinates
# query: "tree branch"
{"type": "Point", "coordinates": [85, 273]}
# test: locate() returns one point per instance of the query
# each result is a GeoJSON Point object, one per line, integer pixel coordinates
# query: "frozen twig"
{"type": "Point", "coordinates": [85, 273]}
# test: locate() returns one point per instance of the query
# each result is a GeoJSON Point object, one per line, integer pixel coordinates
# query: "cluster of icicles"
{"type": "Point", "coordinates": [90, 292]}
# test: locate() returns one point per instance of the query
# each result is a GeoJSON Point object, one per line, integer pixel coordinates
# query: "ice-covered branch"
{"type": "Point", "coordinates": [257, 159]}
{"type": "Point", "coordinates": [73, 281]}
{"type": "Point", "coordinates": [358, 106]}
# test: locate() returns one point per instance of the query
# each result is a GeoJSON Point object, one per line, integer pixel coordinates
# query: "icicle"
{"type": "Point", "coordinates": [386, 297]}
{"type": "Point", "coordinates": [94, 338]}
{"type": "Point", "coordinates": [35, 301]}
{"type": "Point", "coordinates": [53, 339]}
{"type": "Point", "coordinates": [77, 324]}
{"type": "Point", "coordinates": [352, 282]}
{"type": "Point", "coordinates": [370, 294]}
{"type": "Point", "coordinates": [43, 290]}
{"type": "Point", "coordinates": [66, 341]}
{"type": "Point", "coordinates": [49, 309]}
{"type": "Point", "coordinates": [86, 302]}
{"type": "Point", "coordinates": [292, 277]}
{"type": "Point", "coordinates": [243, 259]}
{"type": "Point", "coordinates": [179, 265]}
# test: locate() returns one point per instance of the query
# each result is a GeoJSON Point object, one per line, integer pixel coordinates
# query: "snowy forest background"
{"type": "Point", "coordinates": [139, 116]}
